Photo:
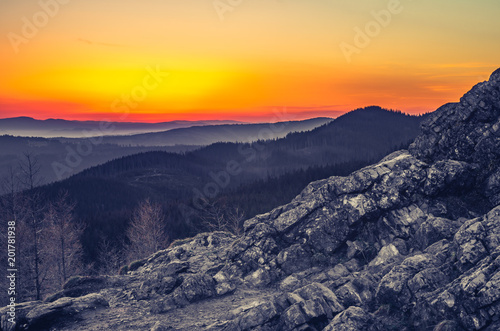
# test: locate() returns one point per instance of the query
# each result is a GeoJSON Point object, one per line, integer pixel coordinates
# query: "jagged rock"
{"type": "Point", "coordinates": [470, 300]}
{"type": "Point", "coordinates": [223, 285]}
{"type": "Point", "coordinates": [393, 289]}
{"type": "Point", "coordinates": [466, 131]}
{"type": "Point", "coordinates": [314, 240]}
{"type": "Point", "coordinates": [289, 283]}
{"type": "Point", "coordinates": [493, 186]}
{"type": "Point", "coordinates": [293, 259]}
{"type": "Point", "coordinates": [157, 284]}
{"type": "Point", "coordinates": [385, 255]}
{"type": "Point", "coordinates": [159, 326]}
{"type": "Point", "coordinates": [360, 291]}
{"type": "Point", "coordinates": [205, 253]}
{"type": "Point", "coordinates": [353, 318]}
{"type": "Point", "coordinates": [435, 229]}
{"type": "Point", "coordinates": [316, 290]}
{"type": "Point", "coordinates": [310, 306]}
{"type": "Point", "coordinates": [258, 315]}
{"type": "Point", "coordinates": [174, 268]}
{"type": "Point", "coordinates": [41, 316]}
{"type": "Point", "coordinates": [449, 174]}
{"type": "Point", "coordinates": [79, 286]}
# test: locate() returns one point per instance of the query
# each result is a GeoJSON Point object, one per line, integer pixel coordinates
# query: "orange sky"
{"type": "Point", "coordinates": [92, 59]}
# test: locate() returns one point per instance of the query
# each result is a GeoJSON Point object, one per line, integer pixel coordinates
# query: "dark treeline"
{"type": "Point", "coordinates": [64, 154]}
{"type": "Point", "coordinates": [265, 194]}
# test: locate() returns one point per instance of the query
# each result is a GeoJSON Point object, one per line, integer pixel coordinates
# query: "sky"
{"type": "Point", "coordinates": [248, 60]}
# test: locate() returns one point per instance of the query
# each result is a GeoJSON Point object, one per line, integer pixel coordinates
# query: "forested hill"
{"type": "Point", "coordinates": [356, 127]}
{"type": "Point", "coordinates": [366, 133]}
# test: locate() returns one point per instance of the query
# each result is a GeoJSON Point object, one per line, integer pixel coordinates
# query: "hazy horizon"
{"type": "Point", "coordinates": [295, 118]}
{"type": "Point", "coordinates": [159, 61]}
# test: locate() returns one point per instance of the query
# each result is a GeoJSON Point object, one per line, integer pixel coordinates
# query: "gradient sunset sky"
{"type": "Point", "coordinates": [239, 62]}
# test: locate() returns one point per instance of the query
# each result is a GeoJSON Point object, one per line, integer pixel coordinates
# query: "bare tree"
{"type": "Point", "coordinates": [217, 216]}
{"type": "Point", "coordinates": [213, 216]}
{"type": "Point", "coordinates": [110, 258]}
{"type": "Point", "coordinates": [47, 242]}
{"type": "Point", "coordinates": [62, 250]}
{"type": "Point", "coordinates": [30, 171]}
{"type": "Point", "coordinates": [235, 217]}
{"type": "Point", "coordinates": [146, 231]}
{"type": "Point", "coordinates": [16, 207]}
{"type": "Point", "coordinates": [33, 207]}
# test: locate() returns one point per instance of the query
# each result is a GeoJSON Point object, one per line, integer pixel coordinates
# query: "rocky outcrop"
{"type": "Point", "coordinates": [468, 131]}
{"type": "Point", "coordinates": [409, 243]}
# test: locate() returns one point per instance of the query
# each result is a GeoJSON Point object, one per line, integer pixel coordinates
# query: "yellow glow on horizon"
{"type": "Point", "coordinates": [262, 55]}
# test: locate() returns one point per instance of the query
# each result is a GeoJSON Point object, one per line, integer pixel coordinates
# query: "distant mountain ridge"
{"type": "Point", "coordinates": [54, 128]}
{"type": "Point", "coordinates": [210, 134]}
